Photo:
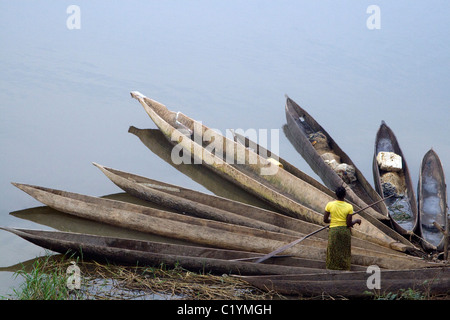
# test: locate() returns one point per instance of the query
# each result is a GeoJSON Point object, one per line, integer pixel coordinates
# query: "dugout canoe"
{"type": "Point", "coordinates": [156, 142]}
{"type": "Point", "coordinates": [286, 165]}
{"type": "Point", "coordinates": [301, 125]}
{"type": "Point", "coordinates": [402, 210]}
{"type": "Point", "coordinates": [148, 253]}
{"type": "Point", "coordinates": [240, 166]}
{"type": "Point", "coordinates": [155, 221]}
{"type": "Point", "coordinates": [439, 272]}
{"type": "Point", "coordinates": [217, 208]}
{"type": "Point", "coordinates": [57, 220]}
{"type": "Point", "coordinates": [195, 203]}
{"type": "Point", "coordinates": [249, 170]}
{"type": "Point", "coordinates": [378, 223]}
{"type": "Point", "coordinates": [432, 201]}
{"type": "Point", "coordinates": [355, 284]}
{"type": "Point", "coordinates": [200, 231]}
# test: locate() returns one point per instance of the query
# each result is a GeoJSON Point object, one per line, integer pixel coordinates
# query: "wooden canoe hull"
{"type": "Point", "coordinates": [195, 203]}
{"type": "Point", "coordinates": [360, 192]}
{"type": "Point", "coordinates": [386, 141]}
{"type": "Point", "coordinates": [441, 272]}
{"type": "Point", "coordinates": [160, 222]}
{"type": "Point", "coordinates": [157, 143]}
{"type": "Point", "coordinates": [217, 208]}
{"type": "Point", "coordinates": [371, 217]}
{"type": "Point", "coordinates": [285, 279]}
{"type": "Point", "coordinates": [140, 252]}
{"type": "Point", "coordinates": [432, 201]}
{"type": "Point", "coordinates": [281, 189]}
{"type": "Point", "coordinates": [351, 288]}
{"type": "Point", "coordinates": [285, 191]}
{"type": "Point", "coordinates": [199, 231]}
{"type": "Point", "coordinates": [265, 153]}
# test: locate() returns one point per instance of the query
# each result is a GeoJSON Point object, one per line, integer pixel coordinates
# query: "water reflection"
{"type": "Point", "coordinates": [27, 265]}
{"type": "Point", "coordinates": [95, 284]}
{"type": "Point", "coordinates": [68, 223]}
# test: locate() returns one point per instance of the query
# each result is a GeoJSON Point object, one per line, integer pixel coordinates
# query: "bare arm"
{"type": "Point", "coordinates": [350, 222]}
{"type": "Point", "coordinates": [326, 217]}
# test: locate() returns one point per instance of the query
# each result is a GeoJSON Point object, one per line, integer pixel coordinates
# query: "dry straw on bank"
{"type": "Point", "coordinates": [109, 281]}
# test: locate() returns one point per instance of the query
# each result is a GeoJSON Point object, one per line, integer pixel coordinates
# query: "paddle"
{"type": "Point", "coordinates": [293, 243]}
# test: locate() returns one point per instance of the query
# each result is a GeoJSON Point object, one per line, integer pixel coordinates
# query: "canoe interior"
{"type": "Point", "coordinates": [211, 140]}
{"type": "Point", "coordinates": [205, 232]}
{"type": "Point", "coordinates": [248, 143]}
{"type": "Point", "coordinates": [432, 199]}
{"type": "Point", "coordinates": [302, 124]}
{"type": "Point", "coordinates": [234, 154]}
{"type": "Point", "coordinates": [182, 199]}
{"type": "Point", "coordinates": [403, 209]}
{"type": "Point", "coordinates": [292, 196]}
{"type": "Point", "coordinates": [275, 181]}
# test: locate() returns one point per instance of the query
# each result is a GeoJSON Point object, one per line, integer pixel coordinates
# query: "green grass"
{"type": "Point", "coordinates": [404, 294]}
{"type": "Point", "coordinates": [45, 281]}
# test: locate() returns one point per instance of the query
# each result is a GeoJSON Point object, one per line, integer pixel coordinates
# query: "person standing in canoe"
{"type": "Point", "coordinates": [339, 215]}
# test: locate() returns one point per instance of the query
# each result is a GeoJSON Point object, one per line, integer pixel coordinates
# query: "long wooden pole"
{"type": "Point", "coordinates": [293, 243]}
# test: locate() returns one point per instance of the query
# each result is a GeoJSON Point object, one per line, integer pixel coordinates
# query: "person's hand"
{"type": "Point", "coordinates": [352, 223]}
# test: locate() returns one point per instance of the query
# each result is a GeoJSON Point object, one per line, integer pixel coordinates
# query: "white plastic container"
{"type": "Point", "coordinates": [389, 161]}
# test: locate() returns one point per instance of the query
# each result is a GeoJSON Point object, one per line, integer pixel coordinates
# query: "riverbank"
{"type": "Point", "coordinates": [51, 277]}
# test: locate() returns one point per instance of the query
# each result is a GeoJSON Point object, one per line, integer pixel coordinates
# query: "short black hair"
{"type": "Point", "coordinates": [340, 192]}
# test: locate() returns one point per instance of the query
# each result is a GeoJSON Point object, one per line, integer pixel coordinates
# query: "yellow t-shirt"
{"type": "Point", "coordinates": [339, 210]}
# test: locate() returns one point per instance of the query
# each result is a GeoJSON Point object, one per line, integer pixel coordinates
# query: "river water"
{"type": "Point", "coordinates": [66, 74]}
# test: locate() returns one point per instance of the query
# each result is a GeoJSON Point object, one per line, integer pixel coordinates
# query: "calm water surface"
{"type": "Point", "coordinates": [65, 93]}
